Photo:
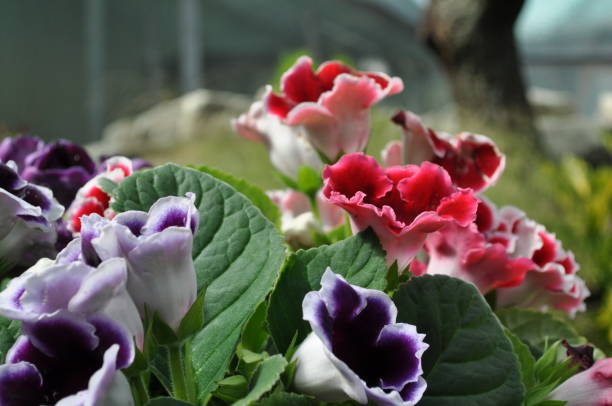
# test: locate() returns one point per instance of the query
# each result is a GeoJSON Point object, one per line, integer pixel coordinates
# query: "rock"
{"type": "Point", "coordinates": [167, 123]}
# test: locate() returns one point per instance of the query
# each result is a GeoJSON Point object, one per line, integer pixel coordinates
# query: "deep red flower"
{"type": "Point", "coordinates": [472, 160]}
{"type": "Point", "coordinates": [402, 204]}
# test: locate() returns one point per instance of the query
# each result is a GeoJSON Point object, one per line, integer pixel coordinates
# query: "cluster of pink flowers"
{"type": "Point", "coordinates": [424, 204]}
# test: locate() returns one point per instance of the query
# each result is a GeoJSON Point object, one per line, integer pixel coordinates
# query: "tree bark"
{"type": "Point", "coordinates": [474, 40]}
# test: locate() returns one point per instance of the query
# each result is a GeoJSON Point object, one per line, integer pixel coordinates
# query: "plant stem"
{"type": "Point", "coordinates": [139, 389]}
{"type": "Point", "coordinates": [177, 371]}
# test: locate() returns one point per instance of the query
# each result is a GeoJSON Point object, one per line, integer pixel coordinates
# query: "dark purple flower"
{"type": "Point", "coordinates": [64, 360]}
{"type": "Point", "coordinates": [19, 148]}
{"type": "Point", "coordinates": [61, 166]}
{"type": "Point", "coordinates": [357, 350]}
{"type": "Point", "coordinates": [28, 214]}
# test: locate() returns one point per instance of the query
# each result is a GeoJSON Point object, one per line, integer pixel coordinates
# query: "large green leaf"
{"type": "Point", "coordinates": [470, 361]}
{"type": "Point", "coordinates": [287, 399]}
{"type": "Point", "coordinates": [266, 376]}
{"type": "Point", "coordinates": [536, 329]}
{"type": "Point", "coordinates": [360, 259]}
{"type": "Point", "coordinates": [237, 255]}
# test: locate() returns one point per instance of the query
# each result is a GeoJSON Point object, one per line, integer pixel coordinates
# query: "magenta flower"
{"type": "Point", "coordinates": [472, 160]}
{"type": "Point", "coordinates": [357, 350]}
{"type": "Point", "coordinates": [592, 387]}
{"type": "Point", "coordinates": [402, 204]}
{"type": "Point", "coordinates": [332, 104]}
{"type": "Point", "coordinates": [66, 361]}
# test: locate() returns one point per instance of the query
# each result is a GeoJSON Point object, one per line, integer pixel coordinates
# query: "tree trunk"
{"type": "Point", "coordinates": [474, 40]}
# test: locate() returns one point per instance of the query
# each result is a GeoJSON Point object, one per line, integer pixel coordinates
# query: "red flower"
{"type": "Point", "coordinates": [402, 204]}
{"type": "Point", "coordinates": [472, 160]}
{"type": "Point", "coordinates": [92, 199]}
{"type": "Point", "coordinates": [331, 104]}
{"type": "Point", "coordinates": [552, 280]}
{"type": "Point", "coordinates": [463, 252]}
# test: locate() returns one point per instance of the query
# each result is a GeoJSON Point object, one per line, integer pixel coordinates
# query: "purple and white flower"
{"type": "Point", "coordinates": [63, 360]}
{"type": "Point", "coordinates": [157, 248]}
{"type": "Point", "coordinates": [357, 350]}
{"type": "Point", "coordinates": [50, 288]}
{"type": "Point", "coordinates": [27, 220]}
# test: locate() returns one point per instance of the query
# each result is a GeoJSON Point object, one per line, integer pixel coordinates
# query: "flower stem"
{"type": "Point", "coordinates": [177, 371]}
{"type": "Point", "coordinates": [139, 389]}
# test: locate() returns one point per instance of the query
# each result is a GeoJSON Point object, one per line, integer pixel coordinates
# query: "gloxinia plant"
{"type": "Point", "coordinates": [62, 166]}
{"type": "Point", "coordinates": [380, 364]}
{"type": "Point", "coordinates": [28, 220]}
{"type": "Point", "coordinates": [331, 104]}
{"type": "Point", "coordinates": [472, 160]}
{"type": "Point", "coordinates": [177, 283]}
{"type": "Point", "coordinates": [402, 204]}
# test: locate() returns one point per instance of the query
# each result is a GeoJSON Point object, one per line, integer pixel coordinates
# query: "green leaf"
{"type": "Point", "coordinates": [255, 336]}
{"type": "Point", "coordinates": [309, 181]}
{"type": "Point", "coordinates": [266, 376]}
{"type": "Point", "coordinates": [163, 333]}
{"type": "Point", "coordinates": [237, 256]}
{"type": "Point", "coordinates": [10, 330]}
{"type": "Point", "coordinates": [470, 361]}
{"type": "Point", "coordinates": [526, 360]}
{"type": "Point", "coordinates": [535, 328]}
{"type": "Point", "coordinates": [193, 320]}
{"type": "Point", "coordinates": [258, 197]}
{"type": "Point", "coordinates": [165, 401]}
{"type": "Point", "coordinates": [287, 399]}
{"type": "Point", "coordinates": [360, 259]}
{"type": "Point", "coordinates": [232, 388]}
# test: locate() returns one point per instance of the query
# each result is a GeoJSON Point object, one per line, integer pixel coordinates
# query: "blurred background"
{"type": "Point", "coordinates": [162, 78]}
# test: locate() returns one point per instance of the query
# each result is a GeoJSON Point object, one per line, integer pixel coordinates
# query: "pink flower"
{"type": "Point", "coordinates": [552, 280]}
{"type": "Point", "coordinates": [92, 199]}
{"type": "Point", "coordinates": [298, 221]}
{"type": "Point", "coordinates": [402, 204]}
{"type": "Point", "coordinates": [287, 146]}
{"type": "Point", "coordinates": [592, 387]}
{"type": "Point", "coordinates": [463, 252]}
{"type": "Point", "coordinates": [332, 104]}
{"type": "Point", "coordinates": [472, 160]}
